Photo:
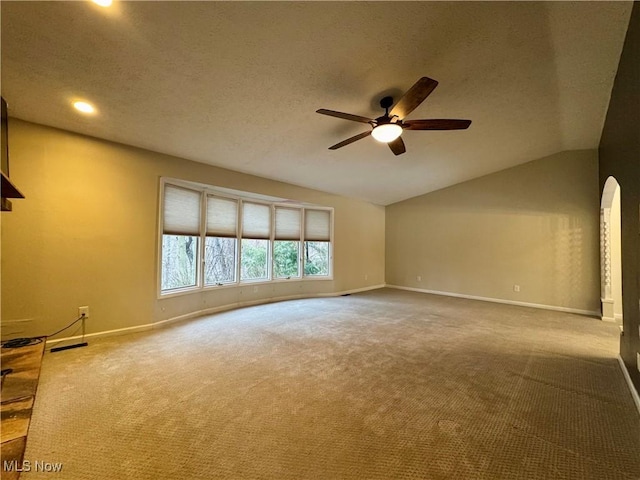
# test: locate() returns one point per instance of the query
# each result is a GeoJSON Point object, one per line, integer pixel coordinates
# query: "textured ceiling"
{"type": "Point", "coordinates": [236, 84]}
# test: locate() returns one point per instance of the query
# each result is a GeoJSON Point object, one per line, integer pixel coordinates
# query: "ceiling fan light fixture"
{"type": "Point", "coordinates": [387, 132]}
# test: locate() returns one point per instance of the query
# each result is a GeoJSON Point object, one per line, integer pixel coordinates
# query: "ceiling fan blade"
{"type": "Point", "coordinates": [345, 116]}
{"type": "Point", "coordinates": [414, 97]}
{"type": "Point", "coordinates": [350, 140]}
{"type": "Point", "coordinates": [397, 146]}
{"type": "Point", "coordinates": [436, 124]}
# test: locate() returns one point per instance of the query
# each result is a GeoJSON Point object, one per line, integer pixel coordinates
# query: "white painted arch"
{"type": "Point", "coordinates": [610, 252]}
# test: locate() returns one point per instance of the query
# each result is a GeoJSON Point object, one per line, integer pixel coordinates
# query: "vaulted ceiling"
{"type": "Point", "coordinates": [237, 84]}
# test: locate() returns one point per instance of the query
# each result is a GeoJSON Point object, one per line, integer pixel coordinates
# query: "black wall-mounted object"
{"type": "Point", "coordinates": [4, 166]}
{"type": "Point", "coordinates": [7, 189]}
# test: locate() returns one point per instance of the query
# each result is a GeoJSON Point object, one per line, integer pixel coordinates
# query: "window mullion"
{"type": "Point", "coordinates": [239, 240]}
{"type": "Point", "coordinates": [203, 236]}
{"type": "Point", "coordinates": [302, 234]}
{"type": "Point", "coordinates": [300, 270]}
{"type": "Point", "coordinates": [272, 235]}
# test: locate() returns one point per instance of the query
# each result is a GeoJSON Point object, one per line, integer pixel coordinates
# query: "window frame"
{"type": "Point", "coordinates": [177, 290]}
{"type": "Point", "coordinates": [201, 286]}
{"type": "Point", "coordinates": [240, 237]}
{"type": "Point", "coordinates": [300, 241]}
{"type": "Point", "coordinates": [203, 223]}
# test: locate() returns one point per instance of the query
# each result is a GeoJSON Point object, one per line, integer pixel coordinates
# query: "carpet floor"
{"type": "Point", "coordinates": [381, 385]}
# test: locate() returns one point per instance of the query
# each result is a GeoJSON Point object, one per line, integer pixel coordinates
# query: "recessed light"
{"type": "Point", "coordinates": [84, 107]}
{"type": "Point", "coordinates": [103, 3]}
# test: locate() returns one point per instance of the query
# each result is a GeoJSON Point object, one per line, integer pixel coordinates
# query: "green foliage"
{"type": "Point", "coordinates": [254, 259]}
{"type": "Point", "coordinates": [285, 259]}
{"type": "Point", "coordinates": [179, 254]}
{"type": "Point", "coordinates": [316, 256]}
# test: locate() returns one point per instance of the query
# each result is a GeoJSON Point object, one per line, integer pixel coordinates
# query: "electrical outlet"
{"type": "Point", "coordinates": [255, 289]}
{"type": "Point", "coordinates": [83, 311]}
{"type": "Point", "coordinates": [516, 288]}
{"type": "Point", "coordinates": [366, 277]}
{"type": "Point", "coordinates": [419, 278]}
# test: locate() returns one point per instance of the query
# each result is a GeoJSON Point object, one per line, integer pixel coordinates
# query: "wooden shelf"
{"type": "Point", "coordinates": [18, 394]}
{"type": "Point", "coordinates": [8, 190]}
{"type": "Point", "coordinates": [5, 205]}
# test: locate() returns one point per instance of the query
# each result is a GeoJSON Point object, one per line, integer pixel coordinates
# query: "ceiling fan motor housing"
{"type": "Point", "coordinates": [386, 102]}
{"type": "Point", "coordinates": [383, 119]}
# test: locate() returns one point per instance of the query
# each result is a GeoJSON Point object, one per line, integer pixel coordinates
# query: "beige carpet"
{"type": "Point", "coordinates": [380, 385]}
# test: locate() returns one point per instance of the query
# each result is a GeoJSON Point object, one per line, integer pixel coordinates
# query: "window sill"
{"type": "Point", "coordinates": [225, 286]}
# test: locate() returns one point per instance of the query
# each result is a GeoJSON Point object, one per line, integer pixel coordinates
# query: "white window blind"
{"type": "Point", "coordinates": [181, 211]}
{"type": "Point", "coordinates": [256, 220]}
{"type": "Point", "coordinates": [222, 217]}
{"type": "Point", "coordinates": [287, 223]}
{"type": "Point", "coordinates": [317, 225]}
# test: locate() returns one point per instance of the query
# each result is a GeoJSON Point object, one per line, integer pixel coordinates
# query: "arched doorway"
{"type": "Point", "coordinates": [610, 252]}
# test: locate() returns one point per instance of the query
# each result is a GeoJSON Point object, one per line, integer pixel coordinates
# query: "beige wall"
{"type": "Point", "coordinates": [86, 234]}
{"type": "Point", "coordinates": [535, 225]}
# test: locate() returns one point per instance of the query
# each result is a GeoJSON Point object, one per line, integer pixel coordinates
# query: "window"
{"type": "Point", "coordinates": [179, 261]}
{"type": "Point", "coordinates": [286, 243]}
{"type": "Point", "coordinates": [221, 240]}
{"type": "Point", "coordinates": [211, 239]}
{"type": "Point", "coordinates": [317, 225]}
{"type": "Point", "coordinates": [180, 235]}
{"type": "Point", "coordinates": [256, 230]}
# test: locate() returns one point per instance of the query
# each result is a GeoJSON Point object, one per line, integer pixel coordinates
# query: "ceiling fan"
{"type": "Point", "coordinates": [389, 127]}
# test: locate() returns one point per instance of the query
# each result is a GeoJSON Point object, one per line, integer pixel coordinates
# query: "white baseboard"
{"type": "Point", "coordinates": [499, 300]}
{"type": "Point", "coordinates": [207, 311]}
{"type": "Point", "coordinates": [618, 317]}
{"type": "Point", "coordinates": [632, 388]}
{"type": "Point", "coordinates": [349, 292]}
{"type": "Point", "coordinates": [609, 319]}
